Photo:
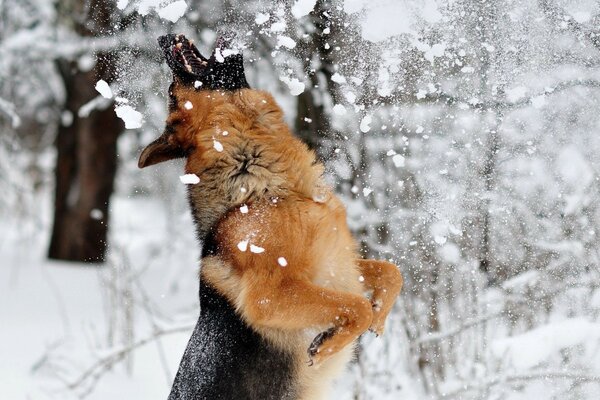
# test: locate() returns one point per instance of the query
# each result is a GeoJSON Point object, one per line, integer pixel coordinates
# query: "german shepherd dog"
{"type": "Point", "coordinates": [282, 288]}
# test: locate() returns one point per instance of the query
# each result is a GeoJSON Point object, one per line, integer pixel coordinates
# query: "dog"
{"type": "Point", "coordinates": [282, 287]}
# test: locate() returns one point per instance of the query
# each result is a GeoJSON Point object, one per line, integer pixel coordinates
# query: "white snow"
{"type": "Point", "coordinates": [516, 93]}
{"type": "Point", "coordinates": [278, 26]}
{"type": "Point", "coordinates": [243, 245]}
{"type": "Point", "coordinates": [286, 41]}
{"type": "Point", "coordinates": [244, 209]}
{"type": "Point", "coordinates": [296, 87]}
{"type": "Point", "coordinates": [104, 89]}
{"type": "Point", "coordinates": [96, 214]}
{"type": "Point", "coordinates": [339, 109]}
{"type": "Point", "coordinates": [122, 4]}
{"type": "Point", "coordinates": [398, 160]}
{"type": "Point", "coordinates": [303, 7]}
{"type": "Point", "coordinates": [367, 191]}
{"type": "Point", "coordinates": [337, 78]}
{"type": "Point", "coordinates": [218, 146]}
{"type": "Point", "coordinates": [282, 261]}
{"type": "Point", "coordinates": [538, 101]}
{"type": "Point", "coordinates": [261, 18]}
{"type": "Point", "coordinates": [173, 11]}
{"type": "Point", "coordinates": [537, 345]}
{"type": "Point", "coordinates": [188, 105]}
{"type": "Point", "coordinates": [365, 124]}
{"type": "Point", "coordinates": [189, 179]}
{"type": "Point", "coordinates": [131, 117]}
{"type": "Point", "coordinates": [256, 249]}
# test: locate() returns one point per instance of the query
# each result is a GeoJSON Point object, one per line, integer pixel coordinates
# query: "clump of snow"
{"type": "Point", "coordinates": [286, 41]}
{"type": "Point", "coordinates": [96, 214]}
{"type": "Point", "coordinates": [217, 145]}
{"type": "Point", "coordinates": [197, 84]}
{"type": "Point", "coordinates": [189, 179]}
{"type": "Point", "coordinates": [243, 245]}
{"type": "Point", "coordinates": [173, 11]}
{"type": "Point", "coordinates": [296, 87]}
{"type": "Point", "coordinates": [278, 26]}
{"type": "Point", "coordinates": [365, 124]}
{"type": "Point", "coordinates": [104, 90]}
{"type": "Point", "coordinates": [282, 261]}
{"type": "Point", "coordinates": [337, 78]}
{"type": "Point", "coordinates": [131, 117]}
{"type": "Point", "coordinates": [261, 18]}
{"type": "Point", "coordinates": [122, 4]}
{"type": "Point", "coordinates": [188, 105]}
{"type": "Point", "coordinates": [256, 249]}
{"type": "Point", "coordinates": [339, 109]}
{"type": "Point", "coordinates": [398, 160]}
{"type": "Point", "coordinates": [367, 191]}
{"type": "Point", "coordinates": [244, 209]}
{"type": "Point", "coordinates": [303, 7]}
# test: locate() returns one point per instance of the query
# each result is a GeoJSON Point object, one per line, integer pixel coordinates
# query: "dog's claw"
{"type": "Point", "coordinates": [313, 349]}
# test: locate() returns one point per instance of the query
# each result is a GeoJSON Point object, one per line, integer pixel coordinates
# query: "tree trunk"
{"type": "Point", "coordinates": [86, 154]}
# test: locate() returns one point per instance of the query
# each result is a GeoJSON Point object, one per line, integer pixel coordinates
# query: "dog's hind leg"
{"type": "Point", "coordinates": [385, 280]}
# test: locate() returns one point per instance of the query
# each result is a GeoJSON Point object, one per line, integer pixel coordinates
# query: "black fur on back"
{"type": "Point", "coordinates": [226, 360]}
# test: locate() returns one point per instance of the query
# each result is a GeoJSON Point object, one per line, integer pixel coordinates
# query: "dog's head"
{"type": "Point", "coordinates": [199, 86]}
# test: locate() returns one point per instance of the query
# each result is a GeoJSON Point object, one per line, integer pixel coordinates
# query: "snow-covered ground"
{"type": "Point", "coordinates": [55, 317]}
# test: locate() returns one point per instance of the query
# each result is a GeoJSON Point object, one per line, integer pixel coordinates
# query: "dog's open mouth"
{"type": "Point", "coordinates": [183, 51]}
{"type": "Point", "coordinates": [216, 72]}
{"type": "Point", "coordinates": [182, 55]}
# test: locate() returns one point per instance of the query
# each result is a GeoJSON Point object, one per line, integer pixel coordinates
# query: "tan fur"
{"type": "Point", "coordinates": [291, 214]}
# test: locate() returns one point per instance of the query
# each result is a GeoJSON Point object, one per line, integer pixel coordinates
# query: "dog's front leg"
{"type": "Point", "coordinates": [297, 304]}
{"type": "Point", "coordinates": [385, 280]}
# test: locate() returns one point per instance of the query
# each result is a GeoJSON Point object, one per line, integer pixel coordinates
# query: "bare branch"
{"type": "Point", "coordinates": [93, 373]}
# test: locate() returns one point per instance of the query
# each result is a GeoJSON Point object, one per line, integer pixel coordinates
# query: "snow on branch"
{"type": "Point", "coordinates": [10, 110]}
{"type": "Point", "coordinates": [492, 381]}
{"type": "Point", "coordinates": [561, 17]}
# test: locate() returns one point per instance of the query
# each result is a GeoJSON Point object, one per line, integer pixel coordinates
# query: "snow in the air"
{"type": "Point", "coordinates": [243, 245]}
{"type": "Point", "coordinates": [122, 4]}
{"type": "Point", "coordinates": [173, 11]}
{"type": "Point", "coordinates": [282, 261]}
{"type": "Point", "coordinates": [296, 87]}
{"type": "Point", "coordinates": [398, 160]}
{"type": "Point", "coordinates": [189, 179]}
{"type": "Point", "coordinates": [337, 78]}
{"type": "Point", "coordinates": [104, 89]}
{"type": "Point", "coordinates": [303, 7]}
{"type": "Point", "coordinates": [286, 41]}
{"type": "Point", "coordinates": [261, 18]}
{"type": "Point", "coordinates": [256, 249]}
{"type": "Point", "coordinates": [339, 109]}
{"type": "Point", "coordinates": [365, 124]}
{"type": "Point", "coordinates": [218, 146]}
{"type": "Point", "coordinates": [188, 105]}
{"type": "Point", "coordinates": [132, 118]}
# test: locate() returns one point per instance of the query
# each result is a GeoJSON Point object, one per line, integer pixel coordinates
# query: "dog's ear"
{"type": "Point", "coordinates": [162, 149]}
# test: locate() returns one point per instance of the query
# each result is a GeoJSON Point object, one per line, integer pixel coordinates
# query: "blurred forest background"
{"type": "Point", "coordinates": [463, 135]}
